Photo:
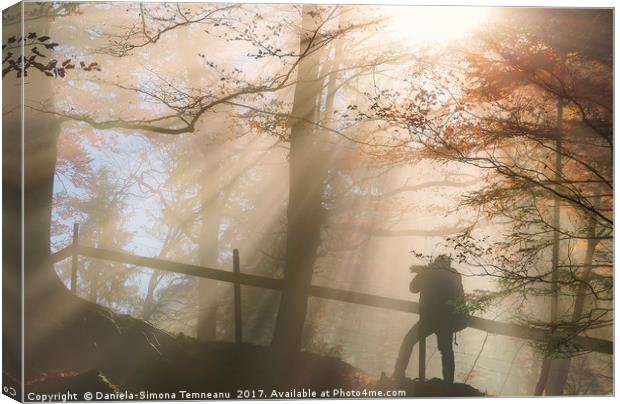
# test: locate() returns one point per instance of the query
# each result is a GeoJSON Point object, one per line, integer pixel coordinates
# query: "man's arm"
{"type": "Point", "coordinates": [416, 283]}
{"type": "Point", "coordinates": [418, 268]}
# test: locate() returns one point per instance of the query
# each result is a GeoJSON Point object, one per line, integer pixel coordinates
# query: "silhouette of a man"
{"type": "Point", "coordinates": [440, 289]}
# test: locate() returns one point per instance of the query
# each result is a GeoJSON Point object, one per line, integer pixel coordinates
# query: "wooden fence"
{"type": "Point", "coordinates": [237, 278]}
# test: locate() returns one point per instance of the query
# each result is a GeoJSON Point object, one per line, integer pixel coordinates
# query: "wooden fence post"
{"type": "Point", "coordinates": [74, 257]}
{"type": "Point", "coordinates": [422, 359]}
{"type": "Point", "coordinates": [237, 291]}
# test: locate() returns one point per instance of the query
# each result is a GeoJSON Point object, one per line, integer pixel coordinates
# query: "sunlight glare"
{"type": "Point", "coordinates": [436, 24]}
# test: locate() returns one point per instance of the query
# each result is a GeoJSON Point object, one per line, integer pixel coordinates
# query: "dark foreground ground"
{"type": "Point", "coordinates": [196, 370]}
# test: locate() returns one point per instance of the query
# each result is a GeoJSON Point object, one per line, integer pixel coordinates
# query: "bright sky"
{"type": "Point", "coordinates": [436, 23]}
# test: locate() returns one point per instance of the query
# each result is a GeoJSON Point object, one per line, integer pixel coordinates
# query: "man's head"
{"type": "Point", "coordinates": [442, 261]}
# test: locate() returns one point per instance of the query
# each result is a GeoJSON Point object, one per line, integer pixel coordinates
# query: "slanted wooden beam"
{"type": "Point", "coordinates": [364, 299]}
{"type": "Point", "coordinates": [537, 334]}
{"type": "Point", "coordinates": [177, 267]}
{"type": "Point", "coordinates": [62, 254]}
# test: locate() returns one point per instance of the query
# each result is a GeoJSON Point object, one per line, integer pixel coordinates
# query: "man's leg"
{"type": "Point", "coordinates": [444, 343]}
{"type": "Point", "coordinates": [404, 353]}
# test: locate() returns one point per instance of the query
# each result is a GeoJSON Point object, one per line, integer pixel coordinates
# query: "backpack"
{"type": "Point", "coordinates": [460, 316]}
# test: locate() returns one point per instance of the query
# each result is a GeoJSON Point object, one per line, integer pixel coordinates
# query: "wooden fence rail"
{"type": "Point", "coordinates": [237, 278]}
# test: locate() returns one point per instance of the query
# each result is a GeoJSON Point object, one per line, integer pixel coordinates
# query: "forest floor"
{"type": "Point", "coordinates": [245, 371]}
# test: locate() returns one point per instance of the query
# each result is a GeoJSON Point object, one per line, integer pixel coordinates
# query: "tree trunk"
{"type": "Point", "coordinates": [208, 247]}
{"type": "Point", "coordinates": [148, 307]}
{"type": "Point", "coordinates": [555, 272]}
{"type": "Point", "coordinates": [208, 255]}
{"type": "Point", "coordinates": [558, 380]}
{"type": "Point", "coordinates": [94, 270]}
{"type": "Point", "coordinates": [43, 288]}
{"type": "Point", "coordinates": [307, 175]}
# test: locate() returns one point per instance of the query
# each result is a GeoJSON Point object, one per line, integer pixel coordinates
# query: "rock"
{"type": "Point", "coordinates": [431, 388]}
